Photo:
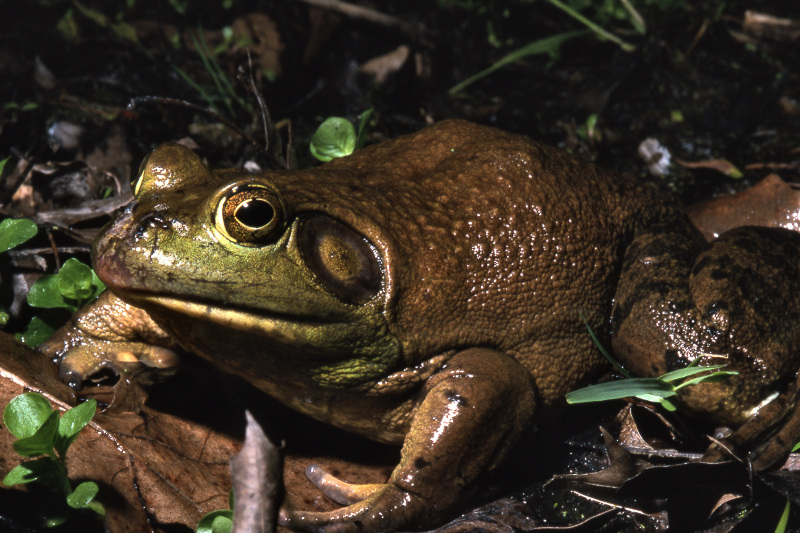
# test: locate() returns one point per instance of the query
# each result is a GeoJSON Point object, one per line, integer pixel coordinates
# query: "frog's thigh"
{"type": "Point", "coordinates": [472, 413]}
{"type": "Point", "coordinates": [738, 298]}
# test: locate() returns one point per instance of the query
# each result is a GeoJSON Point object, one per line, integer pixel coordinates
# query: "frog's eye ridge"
{"type": "Point", "coordinates": [250, 215]}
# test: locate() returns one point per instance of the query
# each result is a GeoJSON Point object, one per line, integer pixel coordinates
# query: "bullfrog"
{"type": "Point", "coordinates": [428, 291]}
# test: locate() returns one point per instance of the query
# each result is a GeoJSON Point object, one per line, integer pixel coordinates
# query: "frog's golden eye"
{"type": "Point", "coordinates": [250, 215]}
{"type": "Point", "coordinates": [343, 260]}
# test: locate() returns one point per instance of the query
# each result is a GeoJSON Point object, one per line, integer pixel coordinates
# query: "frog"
{"type": "Point", "coordinates": [433, 291]}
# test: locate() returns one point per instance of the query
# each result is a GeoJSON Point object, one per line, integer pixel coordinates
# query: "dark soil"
{"type": "Point", "coordinates": [699, 81]}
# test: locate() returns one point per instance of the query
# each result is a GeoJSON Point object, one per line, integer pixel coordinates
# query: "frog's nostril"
{"type": "Point", "coordinates": [155, 220]}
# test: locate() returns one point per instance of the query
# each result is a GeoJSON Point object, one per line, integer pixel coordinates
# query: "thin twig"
{"type": "Point", "coordinates": [270, 135]}
{"type": "Point", "coordinates": [266, 119]}
{"type": "Point", "coordinates": [365, 13]}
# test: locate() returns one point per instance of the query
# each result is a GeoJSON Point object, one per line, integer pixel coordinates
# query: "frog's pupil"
{"type": "Point", "coordinates": [255, 213]}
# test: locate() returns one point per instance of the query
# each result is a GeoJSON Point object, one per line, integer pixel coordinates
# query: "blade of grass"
{"type": "Point", "coordinates": [711, 378]}
{"type": "Point", "coordinates": [627, 47]}
{"type": "Point", "coordinates": [602, 349]}
{"type": "Point", "coordinates": [203, 94]}
{"type": "Point", "coordinates": [637, 21]}
{"type": "Point", "coordinates": [202, 52]}
{"type": "Point", "coordinates": [219, 74]}
{"type": "Point", "coordinates": [781, 527]}
{"type": "Point", "coordinates": [682, 373]}
{"type": "Point", "coordinates": [548, 45]}
{"type": "Point", "coordinates": [625, 388]}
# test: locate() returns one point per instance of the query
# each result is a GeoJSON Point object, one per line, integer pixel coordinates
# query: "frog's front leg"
{"type": "Point", "coordinates": [109, 333]}
{"type": "Point", "coordinates": [470, 414]}
{"type": "Point", "coordinates": [734, 301]}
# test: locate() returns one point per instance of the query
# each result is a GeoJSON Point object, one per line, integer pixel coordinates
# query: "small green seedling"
{"type": "Point", "coordinates": [656, 390]}
{"type": "Point", "coordinates": [336, 137]}
{"type": "Point", "coordinates": [218, 521]}
{"type": "Point", "coordinates": [44, 437]}
{"type": "Point", "coordinates": [589, 131]}
{"type": "Point", "coordinates": [13, 232]}
{"type": "Point", "coordinates": [73, 286]}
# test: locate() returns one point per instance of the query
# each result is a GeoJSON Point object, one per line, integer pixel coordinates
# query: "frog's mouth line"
{"type": "Point", "coordinates": [275, 325]}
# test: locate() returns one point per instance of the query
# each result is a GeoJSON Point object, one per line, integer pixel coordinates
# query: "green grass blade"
{"type": "Point", "coordinates": [716, 377]}
{"type": "Point", "coordinates": [602, 349]}
{"type": "Point", "coordinates": [218, 74]}
{"type": "Point", "coordinates": [548, 45]}
{"type": "Point", "coordinates": [683, 373]}
{"type": "Point", "coordinates": [592, 26]}
{"type": "Point", "coordinates": [624, 388]}
{"type": "Point", "coordinates": [781, 527]}
{"type": "Point", "coordinates": [203, 94]}
{"type": "Point", "coordinates": [201, 51]}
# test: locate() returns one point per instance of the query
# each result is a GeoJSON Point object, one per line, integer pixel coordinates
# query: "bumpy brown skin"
{"type": "Point", "coordinates": [465, 321]}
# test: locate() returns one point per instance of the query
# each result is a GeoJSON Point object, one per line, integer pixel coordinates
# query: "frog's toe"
{"type": "Point", "coordinates": [78, 364]}
{"type": "Point", "coordinates": [743, 444]}
{"type": "Point", "coordinates": [388, 509]}
{"type": "Point", "coordinates": [71, 378]}
{"type": "Point", "coordinates": [338, 490]}
{"type": "Point", "coordinates": [778, 447]}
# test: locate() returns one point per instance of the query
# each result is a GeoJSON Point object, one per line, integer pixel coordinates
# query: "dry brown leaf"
{"type": "Point", "coordinates": [263, 40]}
{"type": "Point", "coordinates": [382, 66]}
{"type": "Point", "coordinates": [772, 202]}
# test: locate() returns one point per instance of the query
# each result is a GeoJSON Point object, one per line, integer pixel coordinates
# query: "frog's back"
{"type": "Point", "coordinates": [497, 241]}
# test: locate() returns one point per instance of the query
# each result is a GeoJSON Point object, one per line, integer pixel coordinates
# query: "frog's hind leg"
{"type": "Point", "coordinates": [736, 302]}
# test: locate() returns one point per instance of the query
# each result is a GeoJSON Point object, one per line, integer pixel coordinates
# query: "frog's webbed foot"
{"type": "Point", "coordinates": [109, 334]}
{"type": "Point", "coordinates": [470, 413]}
